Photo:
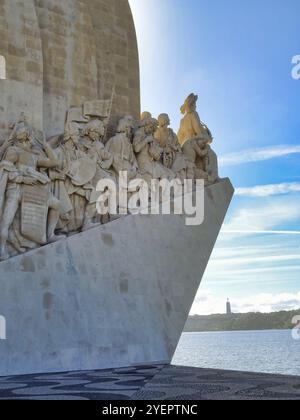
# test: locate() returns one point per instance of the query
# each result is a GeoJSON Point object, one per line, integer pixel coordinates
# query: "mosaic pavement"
{"type": "Point", "coordinates": [151, 383]}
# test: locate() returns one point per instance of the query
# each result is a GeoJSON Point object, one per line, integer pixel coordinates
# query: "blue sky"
{"type": "Point", "coordinates": [237, 56]}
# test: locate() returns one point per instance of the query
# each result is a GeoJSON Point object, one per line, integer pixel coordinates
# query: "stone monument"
{"type": "Point", "coordinates": [60, 54]}
{"type": "Point", "coordinates": [81, 289]}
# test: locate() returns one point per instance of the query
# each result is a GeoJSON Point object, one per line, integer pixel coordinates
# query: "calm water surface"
{"type": "Point", "coordinates": [252, 351]}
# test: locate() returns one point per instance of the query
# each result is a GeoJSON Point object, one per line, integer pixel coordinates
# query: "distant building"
{"type": "Point", "coordinates": [228, 307]}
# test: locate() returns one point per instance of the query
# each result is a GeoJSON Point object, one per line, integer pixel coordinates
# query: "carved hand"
{"type": "Point", "coordinates": [30, 181]}
{"type": "Point", "coordinates": [59, 176]}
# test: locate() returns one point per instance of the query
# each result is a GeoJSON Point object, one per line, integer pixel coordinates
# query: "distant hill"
{"type": "Point", "coordinates": [242, 322]}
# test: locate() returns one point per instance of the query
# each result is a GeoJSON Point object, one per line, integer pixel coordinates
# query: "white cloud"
{"type": "Point", "coordinates": [207, 303]}
{"type": "Point", "coordinates": [257, 259]}
{"type": "Point", "coordinates": [258, 155]}
{"type": "Point", "coordinates": [245, 261]}
{"type": "Point", "coordinates": [260, 232]}
{"type": "Point", "coordinates": [261, 276]}
{"type": "Point", "coordinates": [264, 217]}
{"type": "Point", "coordinates": [268, 190]}
{"type": "Point", "coordinates": [249, 251]}
{"type": "Point", "coordinates": [267, 302]}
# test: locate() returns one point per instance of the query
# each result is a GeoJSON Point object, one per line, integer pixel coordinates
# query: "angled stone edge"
{"type": "Point", "coordinates": [118, 295]}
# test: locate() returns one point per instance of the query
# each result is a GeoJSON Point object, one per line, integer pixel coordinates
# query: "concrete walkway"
{"type": "Point", "coordinates": [151, 383]}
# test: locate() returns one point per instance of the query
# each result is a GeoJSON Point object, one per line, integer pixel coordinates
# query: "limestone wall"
{"type": "Point", "coordinates": [61, 53]}
{"type": "Point", "coordinates": [20, 45]}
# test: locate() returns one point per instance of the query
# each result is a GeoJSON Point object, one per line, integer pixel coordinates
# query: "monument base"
{"type": "Point", "coordinates": [118, 295]}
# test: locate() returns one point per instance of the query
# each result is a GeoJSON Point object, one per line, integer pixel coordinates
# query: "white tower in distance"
{"type": "Point", "coordinates": [228, 307]}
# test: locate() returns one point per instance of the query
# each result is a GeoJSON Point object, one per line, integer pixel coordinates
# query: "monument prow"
{"type": "Point", "coordinates": [117, 295]}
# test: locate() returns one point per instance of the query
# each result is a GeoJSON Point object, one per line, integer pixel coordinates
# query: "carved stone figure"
{"type": "Point", "coordinates": [149, 152]}
{"type": "Point", "coordinates": [92, 144]}
{"type": "Point", "coordinates": [195, 152]}
{"type": "Point", "coordinates": [73, 180]}
{"type": "Point", "coordinates": [121, 149]}
{"type": "Point", "coordinates": [172, 156]}
{"type": "Point", "coordinates": [26, 190]}
{"type": "Point", "coordinates": [196, 138]}
{"type": "Point", "coordinates": [212, 166]}
{"type": "Point", "coordinates": [191, 126]}
{"type": "Point", "coordinates": [145, 116]}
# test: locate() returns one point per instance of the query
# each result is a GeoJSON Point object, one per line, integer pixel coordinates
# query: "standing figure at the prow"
{"type": "Point", "coordinates": [191, 126]}
{"type": "Point", "coordinates": [195, 137]}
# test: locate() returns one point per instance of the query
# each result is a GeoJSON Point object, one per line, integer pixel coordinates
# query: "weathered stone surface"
{"type": "Point", "coordinates": [61, 53]}
{"type": "Point", "coordinates": [117, 295]}
{"type": "Point", "coordinates": [20, 45]}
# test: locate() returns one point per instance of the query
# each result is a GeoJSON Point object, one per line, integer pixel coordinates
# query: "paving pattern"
{"type": "Point", "coordinates": [117, 384]}
{"type": "Point", "coordinates": [160, 383]}
{"type": "Point", "coordinates": [185, 383]}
